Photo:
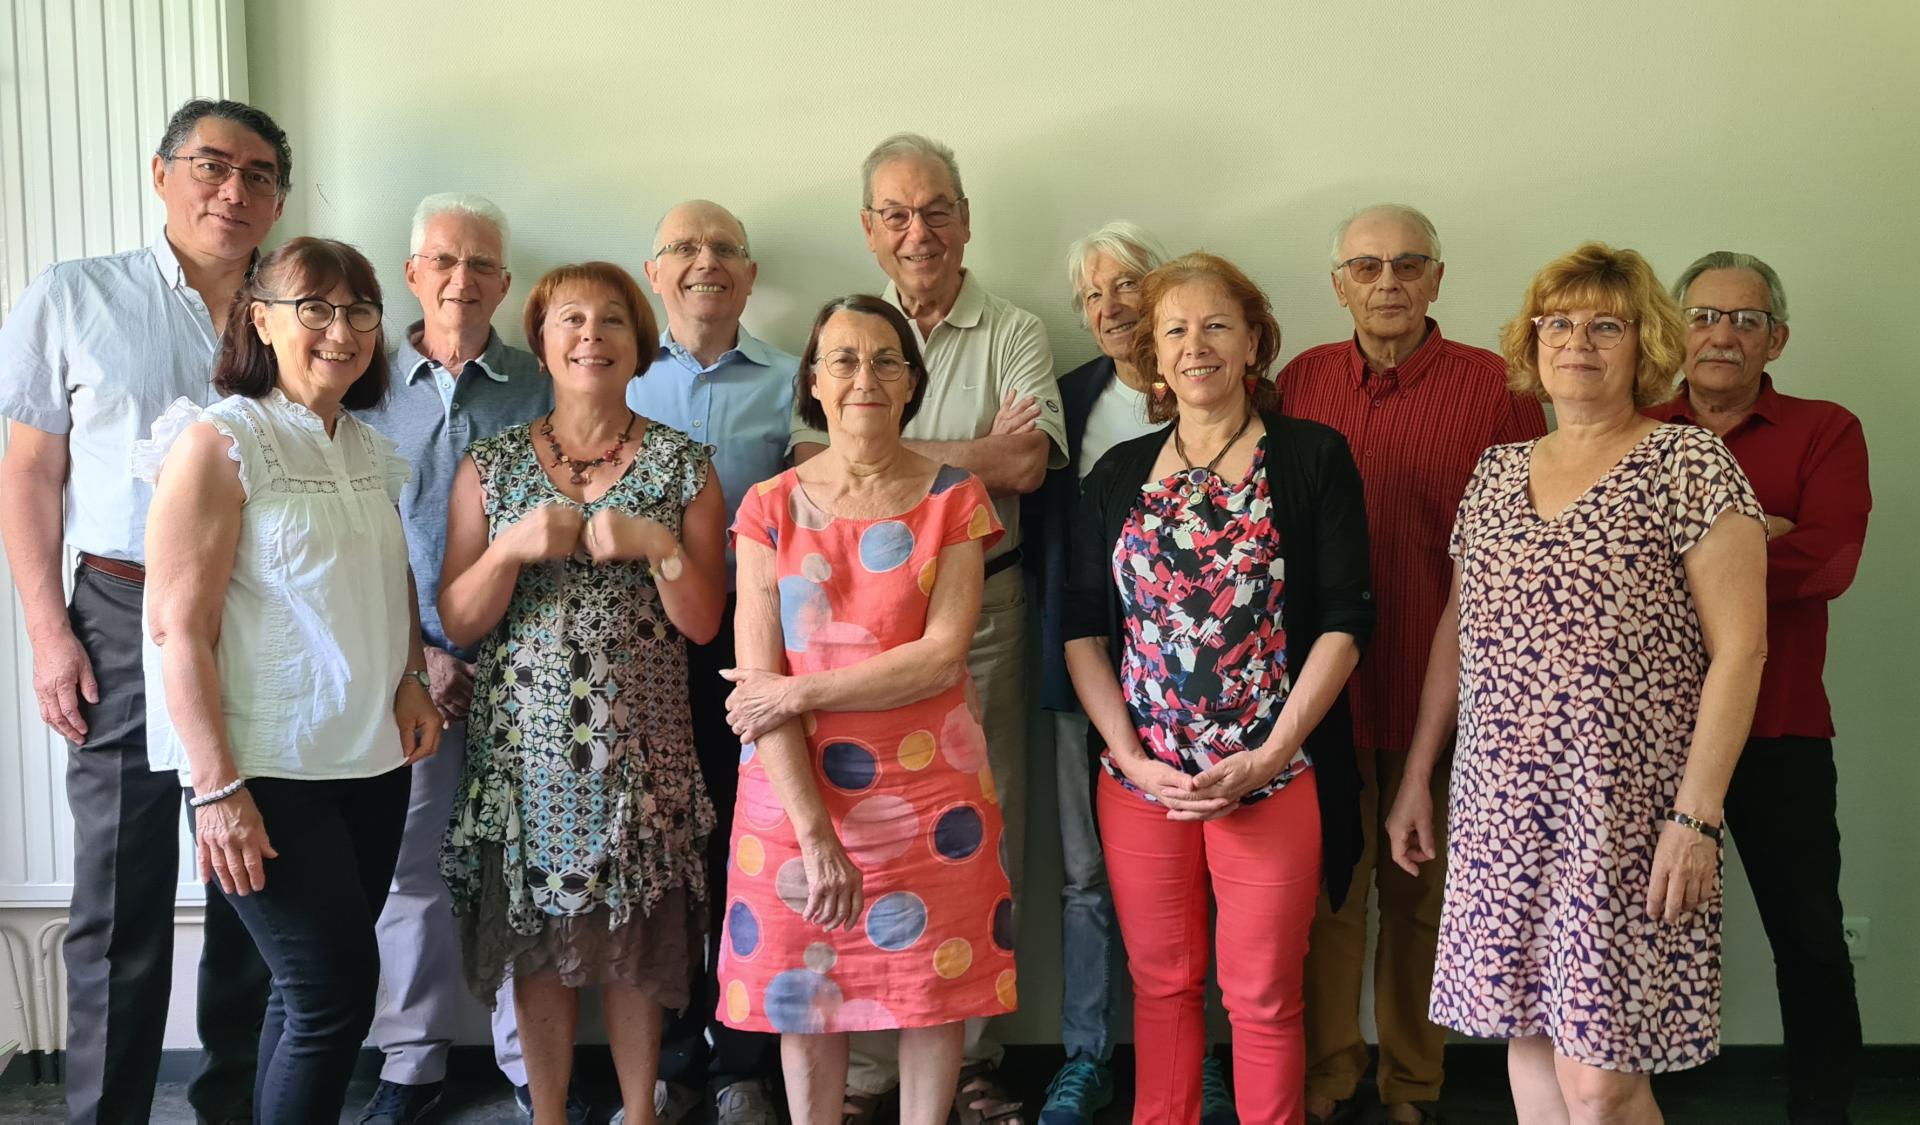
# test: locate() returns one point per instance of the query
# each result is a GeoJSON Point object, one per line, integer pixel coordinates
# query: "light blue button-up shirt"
{"type": "Point", "coordinates": [739, 408]}
{"type": "Point", "coordinates": [97, 348]}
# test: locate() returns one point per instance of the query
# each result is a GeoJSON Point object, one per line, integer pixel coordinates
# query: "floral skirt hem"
{"type": "Point", "coordinates": [652, 951]}
{"type": "Point", "coordinates": [1519, 1027]}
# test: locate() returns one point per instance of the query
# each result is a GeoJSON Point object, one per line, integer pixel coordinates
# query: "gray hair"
{"type": "Point", "coordinates": [907, 145]}
{"type": "Point", "coordinates": [180, 127]}
{"type": "Point", "coordinates": [1731, 260]}
{"type": "Point", "coordinates": [660, 223]}
{"type": "Point", "coordinates": [458, 203]}
{"type": "Point", "coordinates": [1398, 211]}
{"type": "Point", "coordinates": [1127, 243]}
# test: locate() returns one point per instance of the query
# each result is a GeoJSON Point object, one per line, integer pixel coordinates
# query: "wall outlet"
{"type": "Point", "coordinates": [1857, 931]}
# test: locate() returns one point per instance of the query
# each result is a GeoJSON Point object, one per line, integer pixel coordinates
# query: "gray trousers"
{"type": "Point", "coordinates": [998, 664]}
{"type": "Point", "coordinates": [422, 991]}
{"type": "Point", "coordinates": [126, 858]}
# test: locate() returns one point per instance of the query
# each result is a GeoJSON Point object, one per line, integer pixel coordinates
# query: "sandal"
{"type": "Point", "coordinates": [859, 1109]}
{"type": "Point", "coordinates": [982, 1100]}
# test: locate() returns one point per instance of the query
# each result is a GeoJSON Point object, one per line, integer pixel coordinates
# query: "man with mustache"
{"type": "Point", "coordinates": [1807, 460]}
{"type": "Point", "coordinates": [993, 409]}
{"type": "Point", "coordinates": [454, 381]}
{"type": "Point", "coordinates": [724, 387]}
{"type": "Point", "coordinates": [1417, 410]}
{"type": "Point", "coordinates": [92, 352]}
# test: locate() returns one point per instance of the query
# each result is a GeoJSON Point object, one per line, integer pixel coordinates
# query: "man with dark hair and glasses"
{"type": "Point", "coordinates": [726, 388]}
{"type": "Point", "coordinates": [1807, 460]}
{"type": "Point", "coordinates": [92, 352]}
{"type": "Point", "coordinates": [991, 407]}
{"type": "Point", "coordinates": [1417, 409]}
{"type": "Point", "coordinates": [452, 382]}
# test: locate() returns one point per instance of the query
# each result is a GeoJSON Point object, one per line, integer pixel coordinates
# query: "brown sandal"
{"type": "Point", "coordinates": [982, 1100]}
{"type": "Point", "coordinates": [859, 1109]}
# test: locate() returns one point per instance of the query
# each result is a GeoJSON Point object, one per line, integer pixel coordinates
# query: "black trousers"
{"type": "Point", "coordinates": [119, 945]}
{"type": "Point", "coordinates": [686, 1055]}
{"type": "Point", "coordinates": [1781, 810]}
{"type": "Point", "coordinates": [337, 843]}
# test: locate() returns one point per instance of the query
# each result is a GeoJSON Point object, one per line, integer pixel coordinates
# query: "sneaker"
{"type": "Point", "coordinates": [1216, 1097]}
{"type": "Point", "coordinates": [578, 1111]}
{"type": "Point", "coordinates": [396, 1103]}
{"type": "Point", "coordinates": [672, 1103]}
{"type": "Point", "coordinates": [746, 1102]}
{"type": "Point", "coordinates": [1081, 1089]}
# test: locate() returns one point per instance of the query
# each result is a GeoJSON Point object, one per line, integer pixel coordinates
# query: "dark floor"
{"type": "Point", "coordinates": [1742, 1088]}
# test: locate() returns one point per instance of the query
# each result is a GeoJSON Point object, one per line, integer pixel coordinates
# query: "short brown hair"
{"type": "Point", "coordinates": [300, 267]}
{"type": "Point", "coordinates": [1187, 269]}
{"type": "Point", "coordinates": [597, 275]}
{"type": "Point", "coordinates": [815, 415]}
{"type": "Point", "coordinates": [1618, 283]}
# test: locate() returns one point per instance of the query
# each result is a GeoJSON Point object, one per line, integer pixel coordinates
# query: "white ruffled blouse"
{"type": "Point", "coordinates": [313, 633]}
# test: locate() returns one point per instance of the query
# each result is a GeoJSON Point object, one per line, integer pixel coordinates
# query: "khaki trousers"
{"type": "Point", "coordinates": [1410, 1044]}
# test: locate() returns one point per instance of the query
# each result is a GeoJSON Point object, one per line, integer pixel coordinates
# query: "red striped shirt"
{"type": "Point", "coordinates": [1416, 432]}
{"type": "Point", "coordinates": [1807, 459]}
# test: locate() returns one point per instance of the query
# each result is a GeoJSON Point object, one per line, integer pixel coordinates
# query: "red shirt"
{"type": "Point", "coordinates": [1807, 460]}
{"type": "Point", "coordinates": [1416, 432]}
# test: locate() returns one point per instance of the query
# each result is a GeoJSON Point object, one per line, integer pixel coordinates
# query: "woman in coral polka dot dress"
{"type": "Point", "coordinates": [867, 890]}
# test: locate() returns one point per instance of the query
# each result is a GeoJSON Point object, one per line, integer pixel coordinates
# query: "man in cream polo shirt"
{"type": "Point", "coordinates": [991, 407]}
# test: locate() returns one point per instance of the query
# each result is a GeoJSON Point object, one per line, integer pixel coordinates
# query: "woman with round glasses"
{"type": "Point", "coordinates": [284, 670]}
{"type": "Point", "coordinates": [1600, 653]}
{"type": "Point", "coordinates": [584, 550]}
{"type": "Point", "coordinates": [868, 889]}
{"type": "Point", "coordinates": [1217, 605]}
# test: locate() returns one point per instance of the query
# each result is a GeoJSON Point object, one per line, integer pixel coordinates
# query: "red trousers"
{"type": "Point", "coordinates": [1260, 865]}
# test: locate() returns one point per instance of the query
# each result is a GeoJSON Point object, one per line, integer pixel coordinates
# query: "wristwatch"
{"type": "Point", "coordinates": [419, 675]}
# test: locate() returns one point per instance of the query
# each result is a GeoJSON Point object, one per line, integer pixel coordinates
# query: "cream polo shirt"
{"type": "Point", "coordinates": [983, 348]}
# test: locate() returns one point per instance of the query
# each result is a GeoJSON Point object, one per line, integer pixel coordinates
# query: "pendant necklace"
{"type": "Point", "coordinates": [1197, 477]}
{"type": "Point", "coordinates": [583, 470]}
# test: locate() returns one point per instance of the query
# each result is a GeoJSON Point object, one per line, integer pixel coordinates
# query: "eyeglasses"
{"type": "Point", "coordinates": [687, 249]}
{"type": "Point", "coordinates": [319, 315]}
{"type": "Point", "coordinates": [1745, 321]}
{"type": "Point", "coordinates": [937, 214]}
{"type": "Point", "coordinates": [1604, 332]}
{"type": "Point", "coordinates": [447, 263]}
{"type": "Point", "coordinates": [886, 366]}
{"type": "Point", "coordinates": [1366, 268]}
{"type": "Point", "coordinates": [208, 170]}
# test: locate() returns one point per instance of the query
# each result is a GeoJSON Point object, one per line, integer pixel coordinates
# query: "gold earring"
{"type": "Point", "coordinates": [1159, 388]}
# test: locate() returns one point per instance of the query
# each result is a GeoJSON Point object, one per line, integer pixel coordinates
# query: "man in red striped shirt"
{"type": "Point", "coordinates": [1417, 410]}
{"type": "Point", "coordinates": [1807, 460]}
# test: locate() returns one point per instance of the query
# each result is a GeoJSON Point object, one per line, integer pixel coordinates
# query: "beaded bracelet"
{"type": "Point", "coordinates": [1710, 831]}
{"type": "Point", "coordinates": [218, 795]}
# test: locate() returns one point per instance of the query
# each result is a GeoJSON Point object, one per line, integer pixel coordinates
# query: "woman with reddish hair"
{"type": "Point", "coordinates": [1217, 605]}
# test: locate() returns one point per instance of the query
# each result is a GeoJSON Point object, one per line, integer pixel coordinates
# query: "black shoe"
{"type": "Point", "coordinates": [394, 1103]}
{"type": "Point", "coordinates": [578, 1111]}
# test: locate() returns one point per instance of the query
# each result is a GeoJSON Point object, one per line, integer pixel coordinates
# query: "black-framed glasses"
{"type": "Point", "coordinates": [687, 249]}
{"type": "Point", "coordinates": [318, 315]}
{"type": "Point", "coordinates": [937, 214]}
{"type": "Point", "coordinates": [1747, 322]}
{"type": "Point", "coordinates": [1605, 332]}
{"type": "Point", "coordinates": [447, 263]}
{"type": "Point", "coordinates": [886, 366]}
{"type": "Point", "coordinates": [213, 171]}
{"type": "Point", "coordinates": [1366, 268]}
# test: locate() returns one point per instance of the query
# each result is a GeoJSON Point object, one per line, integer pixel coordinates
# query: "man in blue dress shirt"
{"type": "Point", "coordinates": [717, 383]}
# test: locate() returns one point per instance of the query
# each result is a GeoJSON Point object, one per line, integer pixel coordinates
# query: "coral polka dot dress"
{"type": "Point", "coordinates": [908, 790]}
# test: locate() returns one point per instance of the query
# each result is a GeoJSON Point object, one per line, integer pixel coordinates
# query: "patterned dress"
{"type": "Point", "coordinates": [908, 790]}
{"type": "Point", "coordinates": [1202, 584]}
{"type": "Point", "coordinates": [579, 823]}
{"type": "Point", "coordinates": [1581, 662]}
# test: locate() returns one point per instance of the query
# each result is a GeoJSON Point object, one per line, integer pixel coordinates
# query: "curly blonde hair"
{"type": "Point", "coordinates": [1617, 283]}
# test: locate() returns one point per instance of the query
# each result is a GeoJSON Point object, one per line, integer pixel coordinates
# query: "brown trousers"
{"type": "Point", "coordinates": [1410, 1044]}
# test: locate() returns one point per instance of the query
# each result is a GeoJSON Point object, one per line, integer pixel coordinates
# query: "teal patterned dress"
{"type": "Point", "coordinates": [580, 823]}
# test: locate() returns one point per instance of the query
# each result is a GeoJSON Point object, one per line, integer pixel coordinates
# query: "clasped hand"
{"type": "Point", "coordinates": [759, 702]}
{"type": "Point", "coordinates": [559, 530]}
{"type": "Point", "coordinates": [1213, 792]}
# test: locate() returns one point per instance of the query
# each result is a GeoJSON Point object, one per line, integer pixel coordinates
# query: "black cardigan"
{"type": "Point", "coordinates": [1321, 515]}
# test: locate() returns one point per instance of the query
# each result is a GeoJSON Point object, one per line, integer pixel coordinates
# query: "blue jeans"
{"type": "Point", "coordinates": [337, 843]}
{"type": "Point", "coordinates": [1087, 947]}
